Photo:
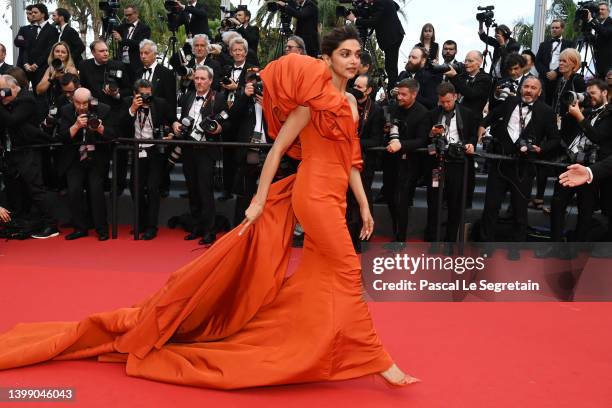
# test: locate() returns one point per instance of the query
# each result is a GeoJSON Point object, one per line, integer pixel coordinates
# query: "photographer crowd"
{"type": "Point", "coordinates": [429, 121]}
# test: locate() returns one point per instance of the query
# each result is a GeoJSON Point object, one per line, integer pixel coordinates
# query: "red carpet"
{"type": "Point", "coordinates": [467, 355]}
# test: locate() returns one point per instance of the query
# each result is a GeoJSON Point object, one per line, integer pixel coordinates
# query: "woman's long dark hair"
{"type": "Point", "coordinates": [433, 36]}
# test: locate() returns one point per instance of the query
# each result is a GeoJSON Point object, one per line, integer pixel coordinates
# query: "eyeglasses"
{"type": "Point", "coordinates": [290, 47]}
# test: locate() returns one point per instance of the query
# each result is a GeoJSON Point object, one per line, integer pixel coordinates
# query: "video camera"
{"type": "Point", "coordinates": [285, 18]}
{"type": "Point", "coordinates": [582, 12]}
{"type": "Point", "coordinates": [486, 15]}
{"type": "Point", "coordinates": [110, 20]}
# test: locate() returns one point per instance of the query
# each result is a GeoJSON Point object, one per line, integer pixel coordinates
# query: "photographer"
{"type": "Point", "coordinates": [246, 30]}
{"type": "Point", "coordinates": [503, 45]}
{"type": "Point", "coordinates": [129, 36]}
{"type": "Point", "coordinates": [389, 32]}
{"type": "Point", "coordinates": [306, 14]}
{"type": "Point", "coordinates": [108, 82]}
{"type": "Point", "coordinates": [233, 81]}
{"type": "Point", "coordinates": [194, 16]}
{"type": "Point", "coordinates": [61, 19]}
{"type": "Point", "coordinates": [522, 127]}
{"type": "Point", "coordinates": [148, 117]}
{"type": "Point", "coordinates": [295, 45]}
{"type": "Point", "coordinates": [511, 83]}
{"type": "Point", "coordinates": [81, 125]}
{"type": "Point", "coordinates": [370, 129]}
{"type": "Point", "coordinates": [161, 78]}
{"type": "Point", "coordinates": [408, 127]}
{"type": "Point", "coordinates": [453, 135]}
{"type": "Point", "coordinates": [472, 84]}
{"type": "Point", "coordinates": [547, 58]}
{"type": "Point", "coordinates": [602, 29]}
{"type": "Point", "coordinates": [201, 106]}
{"type": "Point", "coordinates": [592, 144]}
{"type": "Point", "coordinates": [248, 125]}
{"type": "Point", "coordinates": [60, 62]}
{"type": "Point", "coordinates": [201, 57]}
{"type": "Point", "coordinates": [569, 80]}
{"type": "Point", "coordinates": [418, 68]}
{"type": "Point", "coordinates": [24, 166]}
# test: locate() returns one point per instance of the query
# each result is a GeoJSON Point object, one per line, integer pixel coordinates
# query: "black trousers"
{"type": "Point", "coordinates": [150, 171]}
{"type": "Point", "coordinates": [87, 175]}
{"type": "Point", "coordinates": [245, 187]}
{"type": "Point", "coordinates": [507, 176]}
{"type": "Point", "coordinates": [391, 57]}
{"type": "Point", "coordinates": [353, 214]}
{"type": "Point", "coordinates": [408, 173]}
{"type": "Point", "coordinates": [198, 167]}
{"type": "Point", "coordinates": [587, 197]}
{"type": "Point", "coordinates": [25, 179]}
{"type": "Point", "coordinates": [453, 188]}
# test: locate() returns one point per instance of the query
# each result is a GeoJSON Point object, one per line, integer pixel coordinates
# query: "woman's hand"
{"type": "Point", "coordinates": [368, 223]}
{"type": "Point", "coordinates": [251, 215]}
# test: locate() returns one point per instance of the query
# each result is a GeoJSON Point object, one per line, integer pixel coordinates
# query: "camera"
{"type": "Point", "coordinates": [179, 60]}
{"type": "Point", "coordinates": [172, 6]}
{"type": "Point", "coordinates": [437, 146]}
{"type": "Point", "coordinates": [226, 80]}
{"type": "Point", "coordinates": [271, 6]}
{"type": "Point", "coordinates": [51, 119]}
{"type": "Point", "coordinates": [160, 133]}
{"type": "Point", "coordinates": [93, 122]}
{"type": "Point", "coordinates": [210, 123]}
{"type": "Point", "coordinates": [582, 11]}
{"type": "Point", "coordinates": [257, 82]}
{"type": "Point", "coordinates": [525, 145]}
{"type": "Point", "coordinates": [147, 98]}
{"type": "Point", "coordinates": [586, 155]}
{"type": "Point", "coordinates": [570, 97]}
{"type": "Point", "coordinates": [57, 65]}
{"type": "Point", "coordinates": [5, 92]}
{"type": "Point", "coordinates": [487, 143]}
{"type": "Point", "coordinates": [112, 78]}
{"type": "Point", "coordinates": [285, 18]}
{"type": "Point", "coordinates": [392, 124]}
{"type": "Point", "coordinates": [444, 68]}
{"type": "Point", "coordinates": [110, 21]}
{"type": "Point", "coordinates": [455, 150]}
{"type": "Point", "coordinates": [186, 124]}
{"type": "Point", "coordinates": [505, 89]}
{"type": "Point", "coordinates": [486, 15]}
{"type": "Point", "coordinates": [255, 155]}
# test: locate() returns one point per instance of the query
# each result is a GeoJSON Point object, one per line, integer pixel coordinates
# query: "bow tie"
{"type": "Point", "coordinates": [529, 106]}
{"type": "Point", "coordinates": [237, 69]}
{"type": "Point", "coordinates": [149, 70]}
{"type": "Point", "coordinates": [556, 40]}
{"type": "Point", "coordinates": [199, 98]}
{"type": "Point", "coordinates": [131, 25]}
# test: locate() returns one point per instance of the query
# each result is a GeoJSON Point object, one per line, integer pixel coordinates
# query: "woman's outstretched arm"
{"type": "Point", "coordinates": [296, 121]}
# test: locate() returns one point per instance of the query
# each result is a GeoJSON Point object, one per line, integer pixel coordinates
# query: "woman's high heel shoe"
{"type": "Point", "coordinates": [408, 380]}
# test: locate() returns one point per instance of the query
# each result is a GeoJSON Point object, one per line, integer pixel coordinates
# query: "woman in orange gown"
{"type": "Point", "coordinates": [230, 319]}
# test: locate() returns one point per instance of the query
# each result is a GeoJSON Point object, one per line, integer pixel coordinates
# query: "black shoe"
{"type": "Point", "coordinates": [513, 255]}
{"type": "Point", "coordinates": [192, 235]}
{"type": "Point", "coordinates": [208, 239]}
{"type": "Point", "coordinates": [76, 235]}
{"type": "Point", "coordinates": [149, 234]}
{"type": "Point", "coordinates": [102, 235]}
{"type": "Point", "coordinates": [47, 232]}
{"type": "Point", "coordinates": [226, 195]}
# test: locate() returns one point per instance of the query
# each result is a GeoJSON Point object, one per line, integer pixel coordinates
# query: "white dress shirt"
{"type": "Point", "coordinates": [514, 124]}
{"type": "Point", "coordinates": [556, 52]}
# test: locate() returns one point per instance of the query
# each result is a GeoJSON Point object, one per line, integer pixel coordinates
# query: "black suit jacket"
{"type": "Point", "coordinates": [161, 115]}
{"type": "Point", "coordinates": [4, 68]}
{"type": "Point", "coordinates": [141, 32]}
{"type": "Point", "coordinates": [39, 50]}
{"type": "Point", "coordinates": [307, 25]}
{"type": "Point", "coordinates": [544, 55]}
{"type": "Point", "coordinates": [217, 71]}
{"type": "Point", "coordinates": [467, 127]}
{"type": "Point", "coordinates": [164, 84]}
{"type": "Point", "coordinates": [428, 84]}
{"type": "Point", "coordinates": [602, 170]}
{"type": "Point", "coordinates": [251, 34]}
{"type": "Point", "coordinates": [499, 52]}
{"type": "Point", "coordinates": [69, 154]}
{"type": "Point", "coordinates": [384, 20]}
{"type": "Point", "coordinates": [195, 19]}
{"type": "Point", "coordinates": [92, 77]}
{"type": "Point", "coordinates": [413, 128]}
{"type": "Point", "coordinates": [600, 133]}
{"type": "Point", "coordinates": [474, 93]}
{"type": "Point", "coordinates": [542, 128]}
{"type": "Point", "coordinates": [16, 120]}
{"type": "Point", "coordinates": [601, 46]}
{"type": "Point", "coordinates": [210, 109]}
{"type": "Point", "coordinates": [24, 40]}
{"type": "Point", "coordinates": [72, 38]}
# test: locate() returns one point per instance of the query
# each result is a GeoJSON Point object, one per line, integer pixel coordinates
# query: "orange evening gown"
{"type": "Point", "coordinates": [231, 319]}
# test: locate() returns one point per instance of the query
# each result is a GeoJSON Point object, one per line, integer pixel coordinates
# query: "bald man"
{"type": "Point", "coordinates": [82, 125]}
{"type": "Point", "coordinates": [23, 179]}
{"type": "Point", "coordinates": [473, 85]}
{"type": "Point", "coordinates": [524, 127]}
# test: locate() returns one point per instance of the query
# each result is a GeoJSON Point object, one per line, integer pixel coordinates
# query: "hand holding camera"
{"type": "Point", "coordinates": [437, 130]}
{"type": "Point", "coordinates": [229, 84]}
{"type": "Point", "coordinates": [116, 36]}
{"type": "Point", "coordinates": [575, 111]}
